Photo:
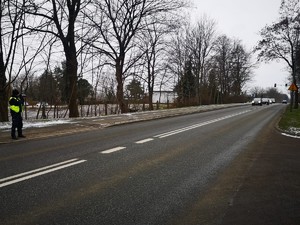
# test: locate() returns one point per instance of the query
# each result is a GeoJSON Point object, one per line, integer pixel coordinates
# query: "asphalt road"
{"type": "Point", "coordinates": [204, 168]}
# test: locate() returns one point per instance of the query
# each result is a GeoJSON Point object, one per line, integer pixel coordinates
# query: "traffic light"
{"type": "Point", "coordinates": [275, 85]}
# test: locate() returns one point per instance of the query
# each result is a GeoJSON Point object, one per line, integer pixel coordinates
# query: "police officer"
{"type": "Point", "coordinates": [16, 103]}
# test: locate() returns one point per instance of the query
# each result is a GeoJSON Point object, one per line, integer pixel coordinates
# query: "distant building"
{"type": "Point", "coordinates": [164, 96]}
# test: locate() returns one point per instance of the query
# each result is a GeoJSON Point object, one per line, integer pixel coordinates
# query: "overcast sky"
{"type": "Point", "coordinates": [243, 19]}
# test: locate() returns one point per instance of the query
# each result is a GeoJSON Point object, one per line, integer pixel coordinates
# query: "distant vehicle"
{"type": "Point", "coordinates": [256, 101]}
{"type": "Point", "coordinates": [273, 100]}
{"type": "Point", "coordinates": [284, 101]}
{"type": "Point", "coordinates": [42, 103]}
{"type": "Point", "coordinates": [265, 101]}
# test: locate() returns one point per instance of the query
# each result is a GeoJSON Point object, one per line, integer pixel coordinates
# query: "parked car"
{"type": "Point", "coordinates": [256, 101]}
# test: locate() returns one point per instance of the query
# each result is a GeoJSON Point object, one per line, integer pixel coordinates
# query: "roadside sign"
{"type": "Point", "coordinates": [293, 87]}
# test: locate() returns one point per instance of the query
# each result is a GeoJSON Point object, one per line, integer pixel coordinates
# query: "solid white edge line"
{"type": "Point", "coordinates": [37, 170]}
{"type": "Point", "coordinates": [40, 173]}
{"type": "Point", "coordinates": [291, 136]}
{"type": "Point", "coordinates": [108, 151]}
{"type": "Point", "coordinates": [144, 141]}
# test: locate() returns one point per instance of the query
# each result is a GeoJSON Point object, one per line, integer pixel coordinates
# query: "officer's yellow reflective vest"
{"type": "Point", "coordinates": [14, 108]}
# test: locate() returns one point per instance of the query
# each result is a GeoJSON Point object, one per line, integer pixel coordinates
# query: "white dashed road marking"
{"type": "Point", "coordinates": [108, 151]}
{"type": "Point", "coordinates": [144, 141]}
{"type": "Point", "coordinates": [58, 166]}
{"type": "Point", "coordinates": [173, 132]}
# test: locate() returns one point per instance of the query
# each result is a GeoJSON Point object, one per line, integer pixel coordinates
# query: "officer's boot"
{"type": "Point", "coordinates": [13, 134]}
{"type": "Point", "coordinates": [20, 135]}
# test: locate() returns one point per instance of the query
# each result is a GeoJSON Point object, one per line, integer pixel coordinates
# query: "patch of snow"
{"type": "Point", "coordinates": [294, 130]}
{"type": "Point", "coordinates": [35, 124]}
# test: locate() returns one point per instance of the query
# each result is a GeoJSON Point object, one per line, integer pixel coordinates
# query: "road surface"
{"type": "Point", "coordinates": [182, 170]}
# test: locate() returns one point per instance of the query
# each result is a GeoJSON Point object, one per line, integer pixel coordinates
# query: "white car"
{"type": "Point", "coordinates": [256, 101]}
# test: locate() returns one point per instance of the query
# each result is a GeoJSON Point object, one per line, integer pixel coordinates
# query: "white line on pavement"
{"type": "Point", "coordinates": [167, 134]}
{"type": "Point", "coordinates": [291, 136]}
{"type": "Point", "coordinates": [36, 170]}
{"type": "Point", "coordinates": [144, 141]}
{"type": "Point", "coordinates": [112, 150]}
{"type": "Point", "coordinates": [40, 173]}
{"type": "Point", "coordinates": [163, 135]}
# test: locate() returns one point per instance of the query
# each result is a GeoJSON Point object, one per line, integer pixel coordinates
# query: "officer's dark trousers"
{"type": "Point", "coordinates": [17, 122]}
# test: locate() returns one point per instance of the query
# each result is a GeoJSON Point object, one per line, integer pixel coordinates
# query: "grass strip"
{"type": "Point", "coordinates": [290, 121]}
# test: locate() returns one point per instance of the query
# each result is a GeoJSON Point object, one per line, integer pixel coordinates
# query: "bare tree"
{"type": "Point", "coordinates": [200, 42]}
{"type": "Point", "coordinates": [232, 66]}
{"type": "Point", "coordinates": [59, 18]}
{"type": "Point", "coordinates": [209, 68]}
{"type": "Point", "coordinates": [16, 55]}
{"type": "Point", "coordinates": [178, 55]}
{"type": "Point", "coordinates": [222, 57]}
{"type": "Point", "coordinates": [118, 24]}
{"type": "Point", "coordinates": [241, 67]}
{"type": "Point", "coordinates": [154, 44]}
{"type": "Point", "coordinates": [280, 40]}
{"type": "Point", "coordinates": [11, 20]}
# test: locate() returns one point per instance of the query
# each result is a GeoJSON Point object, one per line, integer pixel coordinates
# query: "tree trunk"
{"type": "Point", "coordinates": [120, 89]}
{"type": "Point", "coordinates": [296, 106]}
{"type": "Point", "coordinates": [151, 99]}
{"type": "Point", "coordinates": [3, 93]}
{"type": "Point", "coordinates": [71, 70]}
{"type": "Point", "coordinates": [3, 105]}
{"type": "Point", "coordinates": [150, 89]}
